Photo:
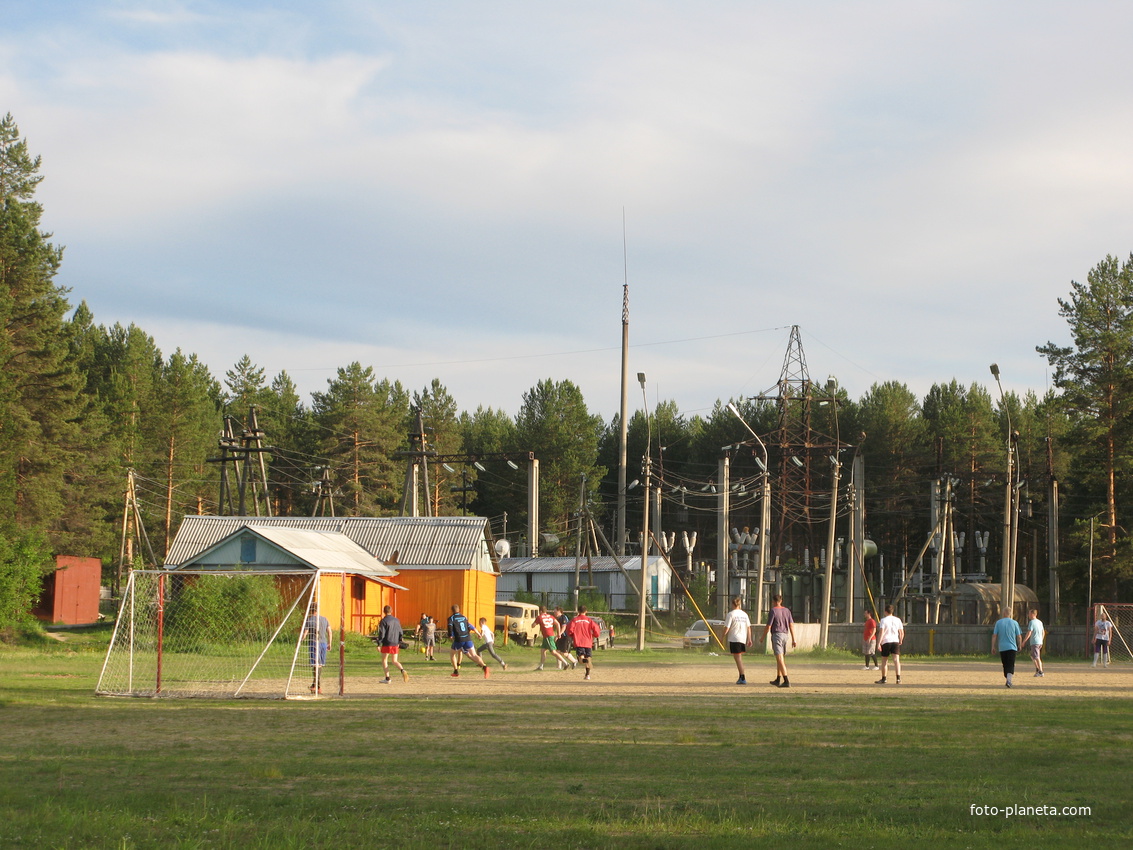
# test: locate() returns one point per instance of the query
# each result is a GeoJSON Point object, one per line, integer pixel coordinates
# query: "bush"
{"type": "Point", "coordinates": [229, 609]}
{"type": "Point", "coordinates": [24, 560]}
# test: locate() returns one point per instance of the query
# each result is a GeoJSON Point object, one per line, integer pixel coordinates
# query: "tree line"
{"type": "Point", "coordinates": [82, 404]}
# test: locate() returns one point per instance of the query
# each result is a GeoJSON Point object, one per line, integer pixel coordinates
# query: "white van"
{"type": "Point", "coordinates": [519, 620]}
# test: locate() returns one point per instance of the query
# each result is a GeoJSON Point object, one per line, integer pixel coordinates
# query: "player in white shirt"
{"type": "Point", "coordinates": [737, 632]}
{"type": "Point", "coordinates": [890, 635]}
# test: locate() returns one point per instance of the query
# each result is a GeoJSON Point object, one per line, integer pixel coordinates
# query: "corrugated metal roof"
{"type": "Point", "coordinates": [320, 550]}
{"type": "Point", "coordinates": [421, 542]}
{"type": "Point", "coordinates": [603, 564]}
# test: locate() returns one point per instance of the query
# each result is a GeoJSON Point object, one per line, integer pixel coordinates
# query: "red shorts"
{"type": "Point", "coordinates": [390, 650]}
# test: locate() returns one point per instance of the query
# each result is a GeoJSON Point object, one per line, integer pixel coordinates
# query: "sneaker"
{"type": "Point", "coordinates": [385, 681]}
{"type": "Point", "coordinates": [540, 667]}
{"type": "Point", "coordinates": [866, 667]}
{"type": "Point", "coordinates": [573, 664]}
{"type": "Point", "coordinates": [405, 675]}
{"type": "Point", "coordinates": [586, 678]}
{"type": "Point", "coordinates": [880, 681]}
{"type": "Point", "coordinates": [486, 671]}
{"type": "Point", "coordinates": [455, 673]}
{"type": "Point", "coordinates": [898, 680]}
{"type": "Point", "coordinates": [741, 681]}
{"type": "Point", "coordinates": [1038, 675]}
{"type": "Point", "coordinates": [786, 684]}
{"type": "Point", "coordinates": [1007, 684]}
{"type": "Point", "coordinates": [504, 663]}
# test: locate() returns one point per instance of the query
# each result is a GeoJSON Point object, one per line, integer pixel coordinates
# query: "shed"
{"type": "Point", "coordinates": [555, 577]}
{"type": "Point", "coordinates": [70, 592]}
{"type": "Point", "coordinates": [978, 602]}
{"type": "Point", "coordinates": [438, 561]}
{"type": "Point", "coordinates": [346, 572]}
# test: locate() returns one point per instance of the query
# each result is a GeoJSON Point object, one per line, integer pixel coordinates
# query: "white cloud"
{"type": "Point", "coordinates": [913, 185]}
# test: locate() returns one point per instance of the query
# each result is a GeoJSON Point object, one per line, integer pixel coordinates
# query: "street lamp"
{"type": "Point", "coordinates": [828, 577]}
{"type": "Point", "coordinates": [765, 513]}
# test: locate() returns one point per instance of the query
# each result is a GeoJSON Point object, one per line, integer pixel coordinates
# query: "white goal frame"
{"type": "Point", "coordinates": [215, 633]}
{"type": "Point", "coordinates": [1121, 615]}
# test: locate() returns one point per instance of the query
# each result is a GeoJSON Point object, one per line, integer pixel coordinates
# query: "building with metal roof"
{"type": "Point", "coordinates": [555, 579]}
{"type": "Point", "coordinates": [437, 561]}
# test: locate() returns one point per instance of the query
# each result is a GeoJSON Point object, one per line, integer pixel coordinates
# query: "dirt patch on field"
{"type": "Point", "coordinates": [706, 675]}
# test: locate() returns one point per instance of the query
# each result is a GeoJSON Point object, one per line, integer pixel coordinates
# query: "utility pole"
{"type": "Point", "coordinates": [623, 425]}
{"type": "Point", "coordinates": [647, 475]}
{"type": "Point", "coordinates": [1007, 586]}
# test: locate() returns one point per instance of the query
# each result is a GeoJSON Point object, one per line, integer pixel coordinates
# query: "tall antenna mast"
{"type": "Point", "coordinates": [620, 531]}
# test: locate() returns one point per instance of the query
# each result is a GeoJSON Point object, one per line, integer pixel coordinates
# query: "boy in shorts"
{"type": "Point", "coordinates": [890, 634]}
{"type": "Point", "coordinates": [549, 628]}
{"type": "Point", "coordinates": [737, 633]}
{"type": "Point", "coordinates": [780, 624]}
{"type": "Point", "coordinates": [460, 630]}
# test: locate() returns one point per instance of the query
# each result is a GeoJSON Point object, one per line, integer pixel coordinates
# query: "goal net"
{"type": "Point", "coordinates": [1121, 615]}
{"type": "Point", "coordinates": [214, 634]}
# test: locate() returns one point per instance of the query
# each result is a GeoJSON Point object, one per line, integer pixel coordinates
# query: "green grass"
{"type": "Point", "coordinates": [482, 770]}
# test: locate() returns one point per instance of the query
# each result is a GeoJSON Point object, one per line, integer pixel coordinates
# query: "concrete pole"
{"type": "Point", "coordinates": [722, 519]}
{"type": "Point", "coordinates": [764, 522]}
{"type": "Point", "coordinates": [1052, 550]}
{"type": "Point", "coordinates": [533, 505]}
{"type": "Point", "coordinates": [828, 578]}
{"type": "Point", "coordinates": [644, 559]}
{"type": "Point", "coordinates": [620, 529]}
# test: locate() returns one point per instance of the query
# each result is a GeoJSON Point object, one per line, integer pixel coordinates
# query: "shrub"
{"type": "Point", "coordinates": [24, 560]}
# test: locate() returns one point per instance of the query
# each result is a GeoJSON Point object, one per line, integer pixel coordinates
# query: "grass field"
{"type": "Point", "coordinates": [661, 750]}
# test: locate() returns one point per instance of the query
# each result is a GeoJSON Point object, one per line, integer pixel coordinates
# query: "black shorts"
{"type": "Point", "coordinates": [584, 651]}
{"type": "Point", "coordinates": [888, 649]}
{"type": "Point", "coordinates": [736, 647]}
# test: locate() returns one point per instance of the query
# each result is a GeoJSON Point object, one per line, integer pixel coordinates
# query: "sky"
{"type": "Point", "coordinates": [461, 191]}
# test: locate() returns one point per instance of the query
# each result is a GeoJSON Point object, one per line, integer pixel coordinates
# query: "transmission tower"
{"type": "Point", "coordinates": [803, 455]}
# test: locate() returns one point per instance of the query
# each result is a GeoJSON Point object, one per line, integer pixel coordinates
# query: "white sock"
{"type": "Point", "coordinates": [1010, 676]}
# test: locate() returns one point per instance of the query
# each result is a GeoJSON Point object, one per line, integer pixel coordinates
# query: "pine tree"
{"type": "Point", "coordinates": [363, 424]}
{"type": "Point", "coordinates": [46, 437]}
{"type": "Point", "coordinates": [1094, 377]}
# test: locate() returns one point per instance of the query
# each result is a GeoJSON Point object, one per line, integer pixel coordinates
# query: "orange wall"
{"type": "Point", "coordinates": [434, 592]}
{"type": "Point", "coordinates": [364, 602]}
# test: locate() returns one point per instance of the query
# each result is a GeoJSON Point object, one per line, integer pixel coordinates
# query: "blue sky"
{"type": "Point", "coordinates": [437, 189]}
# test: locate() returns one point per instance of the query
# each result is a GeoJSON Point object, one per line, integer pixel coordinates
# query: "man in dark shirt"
{"type": "Point", "coordinates": [460, 630]}
{"type": "Point", "coordinates": [389, 643]}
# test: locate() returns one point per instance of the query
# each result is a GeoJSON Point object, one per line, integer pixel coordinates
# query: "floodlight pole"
{"type": "Point", "coordinates": [828, 578]}
{"type": "Point", "coordinates": [765, 514]}
{"type": "Point", "coordinates": [1010, 524]}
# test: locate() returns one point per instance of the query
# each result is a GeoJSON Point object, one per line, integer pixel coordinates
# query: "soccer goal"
{"type": "Point", "coordinates": [1121, 615]}
{"type": "Point", "coordinates": [214, 634]}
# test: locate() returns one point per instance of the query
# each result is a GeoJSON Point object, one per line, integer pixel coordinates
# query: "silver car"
{"type": "Point", "coordinates": [698, 633]}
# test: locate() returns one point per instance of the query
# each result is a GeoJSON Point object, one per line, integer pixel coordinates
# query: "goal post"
{"type": "Point", "coordinates": [1121, 615]}
{"type": "Point", "coordinates": [211, 633]}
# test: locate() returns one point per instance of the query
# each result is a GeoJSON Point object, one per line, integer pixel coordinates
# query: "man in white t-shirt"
{"type": "Point", "coordinates": [737, 633]}
{"type": "Point", "coordinates": [890, 634]}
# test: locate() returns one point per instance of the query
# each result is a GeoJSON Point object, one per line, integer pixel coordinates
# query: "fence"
{"type": "Point", "coordinates": [942, 639]}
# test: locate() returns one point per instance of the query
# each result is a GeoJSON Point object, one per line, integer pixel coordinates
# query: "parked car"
{"type": "Point", "coordinates": [519, 618]}
{"type": "Point", "coordinates": [603, 639]}
{"type": "Point", "coordinates": [698, 633]}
